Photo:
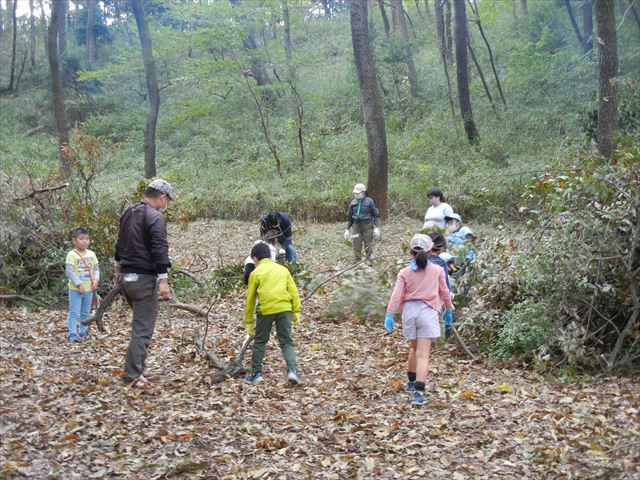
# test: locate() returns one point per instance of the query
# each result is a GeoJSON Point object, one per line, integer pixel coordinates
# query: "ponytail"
{"type": "Point", "coordinates": [422, 259]}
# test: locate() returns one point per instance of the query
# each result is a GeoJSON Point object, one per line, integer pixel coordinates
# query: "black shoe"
{"type": "Point", "coordinates": [448, 331]}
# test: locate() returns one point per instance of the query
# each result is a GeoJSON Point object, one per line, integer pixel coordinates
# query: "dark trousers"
{"type": "Point", "coordinates": [263, 332]}
{"type": "Point", "coordinates": [142, 296]}
{"type": "Point", "coordinates": [362, 234]}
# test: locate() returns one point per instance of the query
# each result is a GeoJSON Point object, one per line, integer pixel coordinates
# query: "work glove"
{"type": "Point", "coordinates": [447, 316]}
{"type": "Point", "coordinates": [413, 265]}
{"type": "Point", "coordinates": [389, 323]}
{"type": "Point", "coordinates": [251, 328]}
{"type": "Point", "coordinates": [376, 232]}
{"type": "Point", "coordinates": [295, 318]}
{"type": "Point", "coordinates": [346, 234]}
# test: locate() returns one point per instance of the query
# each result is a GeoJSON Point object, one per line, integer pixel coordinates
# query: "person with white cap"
{"type": "Point", "coordinates": [420, 293]}
{"type": "Point", "coordinates": [142, 263]}
{"type": "Point", "coordinates": [363, 222]}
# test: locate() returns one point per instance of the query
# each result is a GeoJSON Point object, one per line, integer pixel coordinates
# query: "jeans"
{"type": "Point", "coordinates": [292, 256]}
{"type": "Point", "coordinates": [141, 292]}
{"type": "Point", "coordinates": [79, 309]}
{"type": "Point", "coordinates": [263, 332]}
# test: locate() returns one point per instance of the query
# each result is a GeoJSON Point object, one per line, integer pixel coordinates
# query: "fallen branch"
{"type": "Point", "coordinates": [462, 344]}
{"type": "Point", "coordinates": [34, 130]}
{"type": "Point", "coordinates": [24, 298]}
{"type": "Point", "coordinates": [104, 304]}
{"type": "Point", "coordinates": [188, 273]}
{"type": "Point", "coordinates": [187, 307]}
{"type": "Point", "coordinates": [42, 190]}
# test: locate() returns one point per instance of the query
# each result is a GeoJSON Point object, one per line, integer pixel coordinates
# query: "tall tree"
{"type": "Point", "coordinates": [426, 7]}
{"type": "Point", "coordinates": [90, 38]}
{"type": "Point", "coordinates": [462, 70]}
{"type": "Point", "coordinates": [582, 39]}
{"type": "Point", "coordinates": [439, 14]}
{"type": "Point", "coordinates": [587, 24]}
{"type": "Point", "coordinates": [447, 30]}
{"type": "Point", "coordinates": [62, 27]}
{"type": "Point", "coordinates": [56, 90]}
{"type": "Point", "coordinates": [607, 75]}
{"type": "Point", "coordinates": [32, 34]}
{"type": "Point", "coordinates": [371, 105]}
{"type": "Point", "coordinates": [14, 31]}
{"type": "Point", "coordinates": [385, 19]}
{"type": "Point", "coordinates": [43, 24]}
{"type": "Point", "coordinates": [408, 56]}
{"type": "Point", "coordinates": [523, 7]}
{"type": "Point", "coordinates": [153, 92]}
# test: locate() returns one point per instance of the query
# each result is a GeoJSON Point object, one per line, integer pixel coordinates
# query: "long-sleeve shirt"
{"type": "Point", "coordinates": [80, 267]}
{"type": "Point", "coordinates": [426, 285]}
{"type": "Point", "coordinates": [362, 212]}
{"type": "Point", "coordinates": [274, 286]}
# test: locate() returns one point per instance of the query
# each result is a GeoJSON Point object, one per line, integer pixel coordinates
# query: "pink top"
{"type": "Point", "coordinates": [428, 286]}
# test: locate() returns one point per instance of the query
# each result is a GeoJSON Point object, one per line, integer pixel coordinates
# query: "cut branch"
{"type": "Point", "coordinates": [23, 298]}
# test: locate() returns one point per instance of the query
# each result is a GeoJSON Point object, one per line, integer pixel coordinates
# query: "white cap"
{"type": "Point", "coordinates": [162, 186]}
{"type": "Point", "coordinates": [359, 188]}
{"type": "Point", "coordinates": [421, 242]}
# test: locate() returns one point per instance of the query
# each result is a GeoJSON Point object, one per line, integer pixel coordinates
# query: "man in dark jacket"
{"type": "Point", "coordinates": [142, 261]}
{"type": "Point", "coordinates": [280, 222]}
{"type": "Point", "coordinates": [363, 222]}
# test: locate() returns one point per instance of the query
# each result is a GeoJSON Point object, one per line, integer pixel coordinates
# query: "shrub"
{"type": "Point", "coordinates": [526, 328]}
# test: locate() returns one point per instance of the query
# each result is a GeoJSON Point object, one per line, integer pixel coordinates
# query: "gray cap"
{"type": "Point", "coordinates": [453, 216]}
{"type": "Point", "coordinates": [421, 242]}
{"type": "Point", "coordinates": [162, 186]}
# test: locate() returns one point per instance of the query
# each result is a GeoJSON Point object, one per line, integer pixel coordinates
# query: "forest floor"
{"type": "Point", "coordinates": [65, 413]}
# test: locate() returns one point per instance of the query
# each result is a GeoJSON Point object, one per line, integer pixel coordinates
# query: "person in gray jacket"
{"type": "Point", "coordinates": [363, 222]}
{"type": "Point", "coordinates": [142, 263]}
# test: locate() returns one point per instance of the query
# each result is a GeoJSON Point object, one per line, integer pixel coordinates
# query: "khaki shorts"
{"type": "Point", "coordinates": [419, 320]}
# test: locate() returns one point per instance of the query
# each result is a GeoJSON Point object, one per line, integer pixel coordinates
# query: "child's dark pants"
{"type": "Point", "coordinates": [263, 331]}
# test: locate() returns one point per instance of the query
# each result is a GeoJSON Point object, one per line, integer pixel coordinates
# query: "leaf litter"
{"type": "Point", "coordinates": [64, 412]}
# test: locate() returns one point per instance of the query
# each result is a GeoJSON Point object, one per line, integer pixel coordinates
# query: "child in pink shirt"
{"type": "Point", "coordinates": [420, 293]}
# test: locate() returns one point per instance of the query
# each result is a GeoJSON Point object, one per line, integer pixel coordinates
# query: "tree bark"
{"type": "Point", "coordinates": [394, 18]}
{"type": "Point", "coordinates": [408, 57]}
{"type": "Point", "coordinates": [371, 105]}
{"type": "Point", "coordinates": [14, 30]}
{"type": "Point", "coordinates": [523, 7]}
{"type": "Point", "coordinates": [587, 25]}
{"type": "Point", "coordinates": [385, 19]}
{"type": "Point", "coordinates": [481, 75]}
{"type": "Point", "coordinates": [462, 70]}
{"type": "Point", "coordinates": [581, 39]}
{"type": "Point", "coordinates": [32, 34]}
{"type": "Point", "coordinates": [513, 10]}
{"type": "Point", "coordinates": [440, 38]}
{"type": "Point", "coordinates": [153, 92]}
{"type": "Point", "coordinates": [56, 91]}
{"type": "Point", "coordinates": [90, 38]}
{"type": "Point", "coordinates": [62, 27]}
{"type": "Point", "coordinates": [607, 76]}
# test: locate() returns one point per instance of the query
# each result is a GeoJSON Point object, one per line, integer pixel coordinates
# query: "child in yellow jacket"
{"type": "Point", "coordinates": [279, 303]}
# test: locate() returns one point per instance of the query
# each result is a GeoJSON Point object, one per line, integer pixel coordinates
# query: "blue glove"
{"type": "Point", "coordinates": [413, 265]}
{"type": "Point", "coordinates": [448, 318]}
{"type": "Point", "coordinates": [389, 323]}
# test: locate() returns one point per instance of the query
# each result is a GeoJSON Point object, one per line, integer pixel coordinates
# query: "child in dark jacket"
{"type": "Point", "coordinates": [363, 222]}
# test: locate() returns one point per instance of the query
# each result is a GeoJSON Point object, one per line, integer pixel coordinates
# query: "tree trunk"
{"type": "Point", "coordinates": [62, 27]}
{"type": "Point", "coordinates": [447, 31]}
{"type": "Point", "coordinates": [426, 7]}
{"type": "Point", "coordinates": [607, 76]}
{"type": "Point", "coordinates": [1, 23]}
{"type": "Point", "coordinates": [440, 38]}
{"type": "Point", "coordinates": [14, 30]}
{"type": "Point", "coordinates": [513, 10]}
{"type": "Point", "coordinates": [32, 35]}
{"type": "Point", "coordinates": [90, 39]}
{"type": "Point", "coordinates": [587, 25]}
{"type": "Point", "coordinates": [481, 75]}
{"type": "Point", "coordinates": [385, 19]}
{"type": "Point", "coordinates": [394, 18]}
{"type": "Point", "coordinates": [462, 70]}
{"type": "Point", "coordinates": [576, 29]}
{"type": "Point", "coordinates": [408, 57]}
{"type": "Point", "coordinates": [56, 91]}
{"type": "Point", "coordinates": [43, 24]}
{"type": "Point", "coordinates": [371, 105]}
{"type": "Point", "coordinates": [523, 7]}
{"type": "Point", "coordinates": [152, 90]}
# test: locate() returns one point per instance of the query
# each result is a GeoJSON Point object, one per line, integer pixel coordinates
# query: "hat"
{"type": "Point", "coordinates": [447, 257]}
{"type": "Point", "coordinates": [421, 242]}
{"type": "Point", "coordinates": [359, 188]}
{"type": "Point", "coordinates": [162, 186]}
{"type": "Point", "coordinates": [453, 216]}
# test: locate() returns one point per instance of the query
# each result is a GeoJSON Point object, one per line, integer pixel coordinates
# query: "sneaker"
{"type": "Point", "coordinates": [255, 377]}
{"type": "Point", "coordinates": [293, 377]}
{"type": "Point", "coordinates": [411, 387]}
{"type": "Point", "coordinates": [418, 399]}
{"type": "Point", "coordinates": [140, 382]}
{"type": "Point", "coordinates": [447, 332]}
{"type": "Point", "coordinates": [73, 338]}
